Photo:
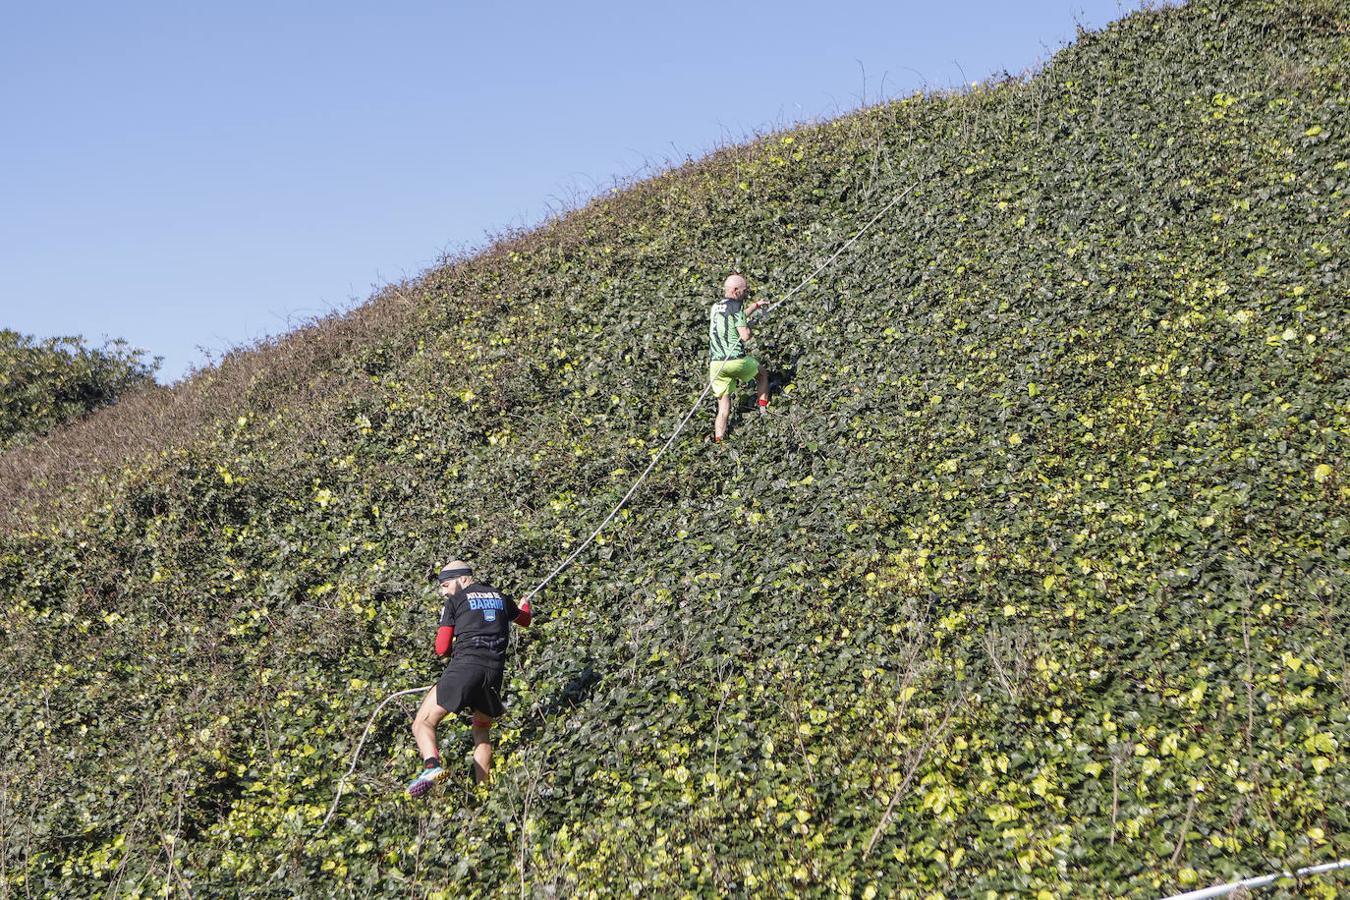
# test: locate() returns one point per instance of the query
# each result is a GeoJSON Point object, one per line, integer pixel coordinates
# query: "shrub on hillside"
{"type": "Point", "coordinates": [44, 383]}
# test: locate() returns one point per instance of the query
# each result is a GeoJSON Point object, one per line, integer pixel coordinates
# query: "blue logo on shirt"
{"type": "Point", "coordinates": [487, 604]}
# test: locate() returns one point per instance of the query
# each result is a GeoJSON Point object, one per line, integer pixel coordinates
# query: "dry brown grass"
{"type": "Point", "coordinates": [293, 368]}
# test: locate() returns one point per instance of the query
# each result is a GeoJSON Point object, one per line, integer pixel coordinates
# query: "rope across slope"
{"type": "Point", "coordinates": [707, 388]}
{"type": "Point", "coordinates": [623, 501]}
{"type": "Point", "coordinates": [1222, 890]}
{"type": "Point", "coordinates": [1201, 894]}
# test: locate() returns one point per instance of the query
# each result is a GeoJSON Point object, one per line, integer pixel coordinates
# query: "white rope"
{"type": "Point", "coordinates": [1220, 890]}
{"type": "Point", "coordinates": [685, 421]}
{"type": "Point", "coordinates": [851, 241]}
{"type": "Point", "coordinates": [626, 497]}
{"type": "Point", "coordinates": [342, 782]}
{"type": "Point", "coordinates": [632, 490]}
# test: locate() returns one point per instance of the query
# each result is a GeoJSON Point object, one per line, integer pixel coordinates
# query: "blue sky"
{"type": "Point", "coordinates": [195, 176]}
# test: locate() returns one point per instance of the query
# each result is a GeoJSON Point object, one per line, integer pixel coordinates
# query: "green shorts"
{"type": "Point", "coordinates": [725, 373]}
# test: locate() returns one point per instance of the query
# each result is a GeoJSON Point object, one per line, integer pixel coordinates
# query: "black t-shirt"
{"type": "Point", "coordinates": [481, 616]}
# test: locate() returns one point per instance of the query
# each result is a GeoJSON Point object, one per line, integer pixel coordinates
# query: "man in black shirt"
{"type": "Point", "coordinates": [477, 618]}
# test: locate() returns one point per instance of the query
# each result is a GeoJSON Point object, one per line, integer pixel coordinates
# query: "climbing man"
{"type": "Point", "coordinates": [728, 334]}
{"type": "Point", "coordinates": [477, 618]}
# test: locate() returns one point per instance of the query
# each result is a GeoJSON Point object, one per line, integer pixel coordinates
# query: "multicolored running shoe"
{"type": "Point", "coordinates": [420, 786]}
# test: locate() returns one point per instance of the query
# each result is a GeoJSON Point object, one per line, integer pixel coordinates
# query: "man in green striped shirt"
{"type": "Point", "coordinates": [728, 333]}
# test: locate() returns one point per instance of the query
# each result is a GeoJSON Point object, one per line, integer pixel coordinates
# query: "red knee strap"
{"type": "Point", "coordinates": [479, 722]}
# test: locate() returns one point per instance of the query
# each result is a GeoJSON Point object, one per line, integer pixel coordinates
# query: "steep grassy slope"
{"type": "Point", "coordinates": [1034, 580]}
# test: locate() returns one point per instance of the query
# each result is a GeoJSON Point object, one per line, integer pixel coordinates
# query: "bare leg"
{"type": "Point", "coordinates": [429, 715]}
{"type": "Point", "coordinates": [723, 415]}
{"type": "Point", "coordinates": [482, 748]}
{"type": "Point", "coordinates": [762, 385]}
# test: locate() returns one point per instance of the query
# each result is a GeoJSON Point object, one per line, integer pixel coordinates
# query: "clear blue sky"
{"type": "Point", "coordinates": [192, 175]}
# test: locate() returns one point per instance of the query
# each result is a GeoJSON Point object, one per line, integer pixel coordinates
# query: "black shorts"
{"type": "Point", "coordinates": [471, 684]}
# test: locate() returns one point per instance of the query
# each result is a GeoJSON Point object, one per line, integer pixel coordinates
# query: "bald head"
{"type": "Point", "coordinates": [455, 574]}
{"type": "Point", "coordinates": [734, 287]}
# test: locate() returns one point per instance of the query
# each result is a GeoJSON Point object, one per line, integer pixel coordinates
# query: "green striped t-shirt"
{"type": "Point", "coordinates": [724, 341]}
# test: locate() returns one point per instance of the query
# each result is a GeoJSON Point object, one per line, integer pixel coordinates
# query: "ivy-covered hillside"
{"type": "Point", "coordinates": [1033, 581]}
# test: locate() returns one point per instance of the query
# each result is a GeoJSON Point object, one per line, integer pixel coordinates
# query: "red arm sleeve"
{"type": "Point", "coordinates": [524, 617]}
{"type": "Point", "coordinates": [443, 636]}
